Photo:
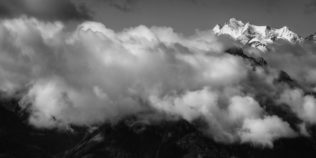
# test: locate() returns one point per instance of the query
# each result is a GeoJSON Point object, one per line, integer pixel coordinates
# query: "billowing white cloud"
{"type": "Point", "coordinates": [96, 67]}
{"type": "Point", "coordinates": [244, 107]}
{"type": "Point", "coordinates": [92, 74]}
{"type": "Point", "coordinates": [303, 105]}
{"type": "Point", "coordinates": [264, 131]}
{"type": "Point", "coordinates": [297, 60]}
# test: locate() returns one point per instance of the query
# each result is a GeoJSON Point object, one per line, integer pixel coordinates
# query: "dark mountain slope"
{"type": "Point", "coordinates": [19, 140]}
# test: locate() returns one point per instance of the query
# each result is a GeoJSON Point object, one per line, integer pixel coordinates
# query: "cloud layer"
{"type": "Point", "coordinates": [93, 75]}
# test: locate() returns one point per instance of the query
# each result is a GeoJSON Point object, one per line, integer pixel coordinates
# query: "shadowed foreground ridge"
{"type": "Point", "coordinates": [131, 139]}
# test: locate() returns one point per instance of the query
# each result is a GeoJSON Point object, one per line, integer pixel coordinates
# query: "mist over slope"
{"type": "Point", "coordinates": [92, 75]}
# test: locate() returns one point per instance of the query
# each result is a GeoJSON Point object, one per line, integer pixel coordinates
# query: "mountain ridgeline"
{"type": "Point", "coordinates": [259, 37]}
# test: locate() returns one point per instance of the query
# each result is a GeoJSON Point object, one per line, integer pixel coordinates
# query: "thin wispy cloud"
{"type": "Point", "coordinates": [45, 9]}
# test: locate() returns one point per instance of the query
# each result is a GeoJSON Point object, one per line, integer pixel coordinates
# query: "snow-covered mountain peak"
{"type": "Point", "coordinates": [256, 36]}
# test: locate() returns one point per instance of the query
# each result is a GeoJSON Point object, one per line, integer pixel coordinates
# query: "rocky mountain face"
{"type": "Point", "coordinates": [18, 139]}
{"type": "Point", "coordinates": [130, 138]}
{"type": "Point", "coordinates": [256, 36]}
{"type": "Point", "coordinates": [175, 139]}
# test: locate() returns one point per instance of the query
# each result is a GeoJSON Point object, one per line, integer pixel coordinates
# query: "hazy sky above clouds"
{"type": "Point", "coordinates": [185, 16]}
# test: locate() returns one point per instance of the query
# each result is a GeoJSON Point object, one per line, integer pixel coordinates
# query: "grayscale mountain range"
{"type": "Point", "coordinates": [259, 37]}
{"type": "Point", "coordinates": [157, 79]}
{"type": "Point", "coordinates": [157, 133]}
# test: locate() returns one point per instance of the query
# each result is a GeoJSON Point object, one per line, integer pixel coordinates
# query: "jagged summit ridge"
{"type": "Point", "coordinates": [256, 36]}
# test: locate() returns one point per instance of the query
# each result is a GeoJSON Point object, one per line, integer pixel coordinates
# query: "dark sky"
{"type": "Point", "coordinates": [184, 16]}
